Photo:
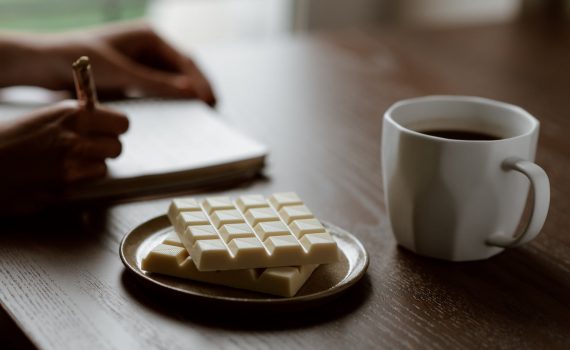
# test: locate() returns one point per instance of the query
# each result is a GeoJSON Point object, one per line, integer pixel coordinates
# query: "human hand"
{"type": "Point", "coordinates": [45, 152]}
{"type": "Point", "coordinates": [128, 58]}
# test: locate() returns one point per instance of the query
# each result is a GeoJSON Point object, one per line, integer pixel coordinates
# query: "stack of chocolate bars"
{"type": "Point", "coordinates": [265, 245]}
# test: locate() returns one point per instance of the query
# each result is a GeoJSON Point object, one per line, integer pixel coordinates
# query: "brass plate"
{"type": "Point", "coordinates": [326, 281]}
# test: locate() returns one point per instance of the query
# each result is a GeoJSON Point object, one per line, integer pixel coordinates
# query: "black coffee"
{"type": "Point", "coordinates": [461, 135]}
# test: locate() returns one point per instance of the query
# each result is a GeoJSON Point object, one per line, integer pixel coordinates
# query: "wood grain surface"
{"type": "Point", "coordinates": [317, 102]}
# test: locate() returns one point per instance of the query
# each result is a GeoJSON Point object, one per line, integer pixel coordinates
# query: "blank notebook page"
{"type": "Point", "coordinates": [171, 136]}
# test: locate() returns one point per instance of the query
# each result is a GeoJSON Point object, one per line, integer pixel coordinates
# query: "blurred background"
{"type": "Point", "coordinates": [199, 22]}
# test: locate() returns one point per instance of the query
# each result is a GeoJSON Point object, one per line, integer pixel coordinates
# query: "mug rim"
{"type": "Point", "coordinates": [460, 98]}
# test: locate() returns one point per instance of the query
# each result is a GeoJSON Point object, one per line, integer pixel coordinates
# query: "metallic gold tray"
{"type": "Point", "coordinates": [326, 282]}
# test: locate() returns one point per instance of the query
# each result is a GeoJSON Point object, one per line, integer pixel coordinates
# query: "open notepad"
{"type": "Point", "coordinates": [170, 145]}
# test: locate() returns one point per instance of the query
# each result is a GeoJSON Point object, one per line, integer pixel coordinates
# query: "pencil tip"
{"type": "Point", "coordinates": [82, 62]}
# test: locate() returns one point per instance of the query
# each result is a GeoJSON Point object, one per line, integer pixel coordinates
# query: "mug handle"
{"type": "Point", "coordinates": [541, 189]}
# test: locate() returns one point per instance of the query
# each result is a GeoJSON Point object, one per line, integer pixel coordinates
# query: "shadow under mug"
{"type": "Point", "coordinates": [461, 199]}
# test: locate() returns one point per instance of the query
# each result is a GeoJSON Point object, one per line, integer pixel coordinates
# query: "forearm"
{"type": "Point", "coordinates": [26, 59]}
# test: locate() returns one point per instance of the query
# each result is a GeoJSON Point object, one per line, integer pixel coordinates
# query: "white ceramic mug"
{"type": "Point", "coordinates": [460, 199]}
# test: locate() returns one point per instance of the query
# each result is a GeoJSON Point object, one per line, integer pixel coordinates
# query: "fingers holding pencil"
{"type": "Point", "coordinates": [102, 121]}
{"type": "Point", "coordinates": [97, 127]}
{"type": "Point", "coordinates": [46, 148]}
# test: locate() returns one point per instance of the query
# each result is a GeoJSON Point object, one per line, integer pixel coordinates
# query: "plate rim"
{"type": "Point", "coordinates": [336, 289]}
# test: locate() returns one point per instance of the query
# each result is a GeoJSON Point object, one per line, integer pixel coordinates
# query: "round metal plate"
{"type": "Point", "coordinates": [326, 281]}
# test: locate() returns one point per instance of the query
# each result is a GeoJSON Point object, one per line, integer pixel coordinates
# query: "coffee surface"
{"type": "Point", "coordinates": [461, 135]}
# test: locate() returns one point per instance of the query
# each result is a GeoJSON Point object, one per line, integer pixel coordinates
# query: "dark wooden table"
{"type": "Point", "coordinates": [318, 102]}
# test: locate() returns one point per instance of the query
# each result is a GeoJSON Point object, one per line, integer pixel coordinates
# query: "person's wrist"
{"type": "Point", "coordinates": [17, 54]}
{"type": "Point", "coordinates": [54, 70]}
{"type": "Point", "coordinates": [29, 60]}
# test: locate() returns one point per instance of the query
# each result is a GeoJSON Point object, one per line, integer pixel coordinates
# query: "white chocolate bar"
{"type": "Point", "coordinates": [251, 232]}
{"type": "Point", "coordinates": [173, 260]}
{"type": "Point", "coordinates": [181, 205]}
{"type": "Point", "coordinates": [173, 239]}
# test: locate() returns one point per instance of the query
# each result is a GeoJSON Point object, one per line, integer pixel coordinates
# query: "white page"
{"type": "Point", "coordinates": [169, 136]}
